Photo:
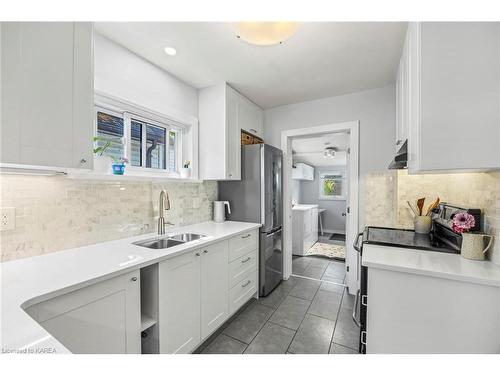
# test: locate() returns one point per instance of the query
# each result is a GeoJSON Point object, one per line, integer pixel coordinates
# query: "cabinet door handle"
{"type": "Point", "coordinates": [363, 337]}
{"type": "Point", "coordinates": [205, 251]}
{"type": "Point", "coordinates": [197, 254]}
{"type": "Point", "coordinates": [364, 300]}
{"type": "Point", "coordinates": [246, 260]}
{"type": "Point", "coordinates": [133, 279]}
{"type": "Point", "coordinates": [248, 235]}
{"type": "Point", "coordinates": [246, 284]}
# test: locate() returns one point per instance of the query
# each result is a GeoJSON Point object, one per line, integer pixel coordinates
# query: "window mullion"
{"type": "Point", "coordinates": [143, 144]}
{"type": "Point", "coordinates": [127, 135]}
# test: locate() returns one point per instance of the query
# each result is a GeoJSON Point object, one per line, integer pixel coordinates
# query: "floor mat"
{"type": "Point", "coordinates": [337, 237]}
{"type": "Point", "coordinates": [327, 250]}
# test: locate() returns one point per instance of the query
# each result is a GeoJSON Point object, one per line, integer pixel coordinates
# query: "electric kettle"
{"type": "Point", "coordinates": [220, 211]}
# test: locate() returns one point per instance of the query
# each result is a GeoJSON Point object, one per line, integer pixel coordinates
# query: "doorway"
{"type": "Point", "coordinates": [324, 161]}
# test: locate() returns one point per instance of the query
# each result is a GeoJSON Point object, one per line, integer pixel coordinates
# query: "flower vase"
{"type": "Point", "coordinates": [185, 172]}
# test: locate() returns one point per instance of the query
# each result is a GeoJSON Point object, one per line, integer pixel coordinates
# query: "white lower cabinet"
{"type": "Point", "coordinates": [199, 290]}
{"type": "Point", "coordinates": [420, 314]}
{"type": "Point", "coordinates": [98, 319]}
{"type": "Point", "coordinates": [179, 303]}
{"type": "Point", "coordinates": [214, 287]}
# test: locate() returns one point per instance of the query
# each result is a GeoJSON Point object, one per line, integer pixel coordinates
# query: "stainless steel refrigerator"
{"type": "Point", "coordinates": [258, 198]}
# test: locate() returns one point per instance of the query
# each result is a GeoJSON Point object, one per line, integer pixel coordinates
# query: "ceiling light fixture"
{"type": "Point", "coordinates": [265, 33]}
{"type": "Point", "coordinates": [329, 152]}
{"type": "Point", "coordinates": [171, 51]}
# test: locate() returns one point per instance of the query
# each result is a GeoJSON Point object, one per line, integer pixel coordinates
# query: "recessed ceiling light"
{"type": "Point", "coordinates": [171, 51]}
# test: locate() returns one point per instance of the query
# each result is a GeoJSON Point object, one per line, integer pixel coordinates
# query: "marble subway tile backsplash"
{"type": "Point", "coordinates": [389, 191]}
{"type": "Point", "coordinates": [57, 213]}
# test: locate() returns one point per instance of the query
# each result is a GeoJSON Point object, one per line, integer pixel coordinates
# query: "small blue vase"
{"type": "Point", "coordinates": [118, 168]}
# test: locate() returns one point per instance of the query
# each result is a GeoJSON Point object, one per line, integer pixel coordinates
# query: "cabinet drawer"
{"type": "Point", "coordinates": [243, 291]}
{"type": "Point", "coordinates": [243, 244]}
{"type": "Point", "coordinates": [219, 246]}
{"type": "Point", "coordinates": [239, 267]}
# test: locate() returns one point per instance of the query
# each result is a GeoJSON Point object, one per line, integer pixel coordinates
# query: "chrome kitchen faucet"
{"type": "Point", "coordinates": [163, 205]}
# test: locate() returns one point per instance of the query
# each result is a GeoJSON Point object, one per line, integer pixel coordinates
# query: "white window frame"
{"type": "Point", "coordinates": [186, 130]}
{"type": "Point", "coordinates": [127, 118]}
{"type": "Point", "coordinates": [323, 197]}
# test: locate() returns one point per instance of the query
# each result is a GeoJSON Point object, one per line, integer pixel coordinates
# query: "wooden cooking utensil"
{"type": "Point", "coordinates": [432, 206]}
{"type": "Point", "coordinates": [412, 209]}
{"type": "Point", "coordinates": [420, 205]}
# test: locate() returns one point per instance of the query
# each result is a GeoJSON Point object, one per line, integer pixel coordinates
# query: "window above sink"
{"type": "Point", "coordinates": [156, 145]}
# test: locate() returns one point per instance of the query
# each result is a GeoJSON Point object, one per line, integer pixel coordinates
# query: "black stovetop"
{"type": "Point", "coordinates": [406, 238]}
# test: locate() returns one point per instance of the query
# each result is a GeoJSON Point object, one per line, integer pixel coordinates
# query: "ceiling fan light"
{"type": "Point", "coordinates": [265, 33]}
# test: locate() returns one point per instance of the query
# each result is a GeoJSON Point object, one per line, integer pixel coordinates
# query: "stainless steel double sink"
{"type": "Point", "coordinates": [169, 241]}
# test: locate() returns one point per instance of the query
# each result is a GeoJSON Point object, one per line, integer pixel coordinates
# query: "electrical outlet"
{"type": "Point", "coordinates": [7, 218]}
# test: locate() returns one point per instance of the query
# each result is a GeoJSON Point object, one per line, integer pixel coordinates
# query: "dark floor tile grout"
{"type": "Point", "coordinates": [234, 338]}
{"type": "Point", "coordinates": [267, 321]}
{"type": "Point", "coordinates": [336, 319]}
{"type": "Point", "coordinates": [287, 294]}
{"type": "Point", "coordinates": [288, 348]}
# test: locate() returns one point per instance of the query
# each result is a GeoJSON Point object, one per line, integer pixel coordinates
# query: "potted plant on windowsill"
{"type": "Point", "coordinates": [118, 165]}
{"type": "Point", "coordinates": [102, 162]}
{"type": "Point", "coordinates": [185, 170]}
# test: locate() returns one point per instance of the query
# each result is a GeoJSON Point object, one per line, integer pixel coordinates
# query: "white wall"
{"type": "Point", "coordinates": [122, 74]}
{"type": "Point", "coordinates": [375, 110]}
{"type": "Point", "coordinates": [333, 221]}
{"type": "Point", "coordinates": [296, 191]}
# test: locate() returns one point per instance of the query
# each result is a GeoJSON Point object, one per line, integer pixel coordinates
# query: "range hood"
{"type": "Point", "coordinates": [401, 158]}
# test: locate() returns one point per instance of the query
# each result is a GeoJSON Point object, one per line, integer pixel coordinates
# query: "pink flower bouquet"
{"type": "Point", "coordinates": [463, 222]}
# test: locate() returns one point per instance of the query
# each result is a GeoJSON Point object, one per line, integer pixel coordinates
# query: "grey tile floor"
{"type": "Point", "coordinates": [299, 316]}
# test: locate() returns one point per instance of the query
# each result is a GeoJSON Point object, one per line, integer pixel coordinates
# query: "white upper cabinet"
{"type": "Point", "coordinates": [219, 134]}
{"type": "Point", "coordinates": [402, 97]}
{"type": "Point", "coordinates": [223, 113]}
{"type": "Point", "coordinates": [47, 94]}
{"type": "Point", "coordinates": [454, 96]}
{"type": "Point", "coordinates": [252, 117]}
{"type": "Point", "coordinates": [303, 171]}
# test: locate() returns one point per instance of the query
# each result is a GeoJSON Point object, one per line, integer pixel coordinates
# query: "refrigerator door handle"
{"type": "Point", "coordinates": [355, 309]}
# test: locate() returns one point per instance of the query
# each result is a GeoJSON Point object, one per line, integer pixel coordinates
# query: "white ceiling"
{"type": "Point", "coordinates": [322, 59]}
{"type": "Point", "coordinates": [310, 150]}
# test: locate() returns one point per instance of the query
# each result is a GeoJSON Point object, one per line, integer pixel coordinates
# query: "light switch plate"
{"type": "Point", "coordinates": [7, 218]}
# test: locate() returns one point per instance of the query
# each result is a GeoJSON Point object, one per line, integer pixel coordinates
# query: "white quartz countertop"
{"type": "Point", "coordinates": [304, 207]}
{"type": "Point", "coordinates": [429, 263]}
{"type": "Point", "coordinates": [32, 280]}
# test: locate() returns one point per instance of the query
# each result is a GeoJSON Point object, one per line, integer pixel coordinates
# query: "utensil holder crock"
{"type": "Point", "coordinates": [422, 224]}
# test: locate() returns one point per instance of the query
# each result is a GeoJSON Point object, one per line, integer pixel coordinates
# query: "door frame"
{"type": "Point", "coordinates": [352, 222]}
